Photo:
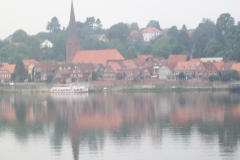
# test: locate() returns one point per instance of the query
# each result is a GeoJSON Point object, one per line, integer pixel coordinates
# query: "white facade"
{"type": "Point", "coordinates": [46, 44]}
{"type": "Point", "coordinates": [150, 33]}
{"type": "Point", "coordinates": [214, 59]}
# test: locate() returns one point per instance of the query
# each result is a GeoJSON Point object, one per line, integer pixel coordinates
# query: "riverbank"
{"type": "Point", "coordinates": [133, 87]}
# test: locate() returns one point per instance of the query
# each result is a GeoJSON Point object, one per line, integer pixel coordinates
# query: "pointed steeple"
{"type": "Point", "coordinates": [72, 32]}
{"type": "Point", "coordinates": [73, 42]}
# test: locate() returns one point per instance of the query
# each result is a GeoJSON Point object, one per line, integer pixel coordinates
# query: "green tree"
{"type": "Point", "coordinates": [93, 44]}
{"type": "Point", "coordinates": [53, 25]}
{"type": "Point", "coordinates": [162, 47]}
{"type": "Point", "coordinates": [181, 76]}
{"type": "Point", "coordinates": [224, 23]}
{"type": "Point", "coordinates": [98, 25]}
{"type": "Point", "coordinates": [213, 78]}
{"type": "Point", "coordinates": [173, 32]}
{"type": "Point", "coordinates": [212, 48]}
{"type": "Point", "coordinates": [153, 23]}
{"type": "Point", "coordinates": [20, 36]}
{"type": "Point", "coordinates": [131, 52]}
{"type": "Point", "coordinates": [185, 40]}
{"type": "Point", "coordinates": [118, 31]}
{"type": "Point", "coordinates": [207, 27]}
{"type": "Point", "coordinates": [90, 22]}
{"type": "Point", "coordinates": [6, 52]}
{"type": "Point", "coordinates": [230, 75]}
{"type": "Point", "coordinates": [200, 45]}
{"type": "Point", "coordinates": [134, 26]}
{"type": "Point", "coordinates": [184, 28]}
{"type": "Point", "coordinates": [20, 74]}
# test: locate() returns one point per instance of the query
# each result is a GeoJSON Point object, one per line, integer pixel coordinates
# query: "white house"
{"type": "Point", "coordinates": [150, 33]}
{"type": "Point", "coordinates": [212, 59]}
{"type": "Point", "coordinates": [45, 44]}
{"type": "Point", "coordinates": [100, 37]}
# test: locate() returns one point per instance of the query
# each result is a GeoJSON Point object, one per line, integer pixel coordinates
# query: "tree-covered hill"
{"type": "Point", "coordinates": [209, 39]}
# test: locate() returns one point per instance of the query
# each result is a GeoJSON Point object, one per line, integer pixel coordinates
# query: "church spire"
{"type": "Point", "coordinates": [73, 42]}
{"type": "Point", "coordinates": [72, 32]}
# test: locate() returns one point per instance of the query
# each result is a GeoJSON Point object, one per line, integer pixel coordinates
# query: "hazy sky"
{"type": "Point", "coordinates": [32, 15]}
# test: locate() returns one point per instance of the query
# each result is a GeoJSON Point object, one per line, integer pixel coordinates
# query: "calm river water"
{"type": "Point", "coordinates": [195, 126]}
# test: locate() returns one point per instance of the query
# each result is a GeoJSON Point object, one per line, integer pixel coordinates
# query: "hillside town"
{"type": "Point", "coordinates": [109, 65]}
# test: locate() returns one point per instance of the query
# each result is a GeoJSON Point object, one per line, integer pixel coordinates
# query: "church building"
{"type": "Point", "coordinates": [73, 42]}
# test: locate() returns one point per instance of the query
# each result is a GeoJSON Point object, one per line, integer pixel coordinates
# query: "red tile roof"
{"type": "Point", "coordinates": [8, 67]}
{"type": "Point", "coordinates": [27, 62]}
{"type": "Point", "coordinates": [195, 60]}
{"type": "Point", "coordinates": [236, 66]}
{"type": "Point", "coordinates": [151, 30]}
{"type": "Point", "coordinates": [187, 66]}
{"type": "Point", "coordinates": [177, 58]}
{"type": "Point", "coordinates": [97, 56]}
{"type": "Point", "coordinates": [219, 64]}
{"type": "Point", "coordinates": [115, 66]}
{"type": "Point", "coordinates": [190, 32]}
{"type": "Point", "coordinates": [129, 64]}
{"type": "Point", "coordinates": [171, 66]}
{"type": "Point", "coordinates": [134, 33]}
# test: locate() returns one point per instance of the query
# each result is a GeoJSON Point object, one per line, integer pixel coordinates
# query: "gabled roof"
{"type": "Point", "coordinates": [187, 66]}
{"type": "Point", "coordinates": [236, 66]}
{"type": "Point", "coordinates": [8, 67]}
{"type": "Point", "coordinates": [209, 66]}
{"type": "Point", "coordinates": [177, 58]}
{"type": "Point", "coordinates": [227, 66]}
{"type": "Point", "coordinates": [128, 64]}
{"type": "Point", "coordinates": [115, 66]}
{"type": "Point", "coordinates": [219, 64]}
{"type": "Point", "coordinates": [195, 59]}
{"type": "Point", "coordinates": [27, 62]}
{"type": "Point", "coordinates": [155, 60]}
{"type": "Point", "coordinates": [97, 56]}
{"type": "Point", "coordinates": [151, 30]}
{"type": "Point", "coordinates": [135, 33]}
{"type": "Point", "coordinates": [171, 66]}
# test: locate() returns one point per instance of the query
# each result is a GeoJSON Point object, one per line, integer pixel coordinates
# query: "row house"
{"type": "Point", "coordinates": [43, 69]}
{"type": "Point", "coordinates": [166, 71]}
{"type": "Point", "coordinates": [6, 71]}
{"type": "Point", "coordinates": [83, 71]}
{"type": "Point", "coordinates": [118, 70]}
{"type": "Point", "coordinates": [111, 71]}
{"type": "Point", "coordinates": [63, 72]}
{"type": "Point", "coordinates": [191, 69]}
{"type": "Point", "coordinates": [211, 69]}
{"type": "Point", "coordinates": [80, 72]}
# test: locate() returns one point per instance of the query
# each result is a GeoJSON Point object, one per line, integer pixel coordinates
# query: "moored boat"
{"type": "Point", "coordinates": [68, 88]}
{"type": "Point", "coordinates": [234, 87]}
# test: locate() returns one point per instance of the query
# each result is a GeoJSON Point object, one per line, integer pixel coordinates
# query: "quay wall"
{"type": "Point", "coordinates": [111, 85]}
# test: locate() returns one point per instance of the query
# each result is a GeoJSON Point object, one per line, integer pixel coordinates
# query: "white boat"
{"type": "Point", "coordinates": [68, 88]}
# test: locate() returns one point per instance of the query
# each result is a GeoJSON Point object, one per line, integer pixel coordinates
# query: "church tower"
{"type": "Point", "coordinates": [73, 42]}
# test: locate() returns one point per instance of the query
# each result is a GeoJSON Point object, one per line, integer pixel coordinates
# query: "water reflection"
{"type": "Point", "coordinates": [95, 122]}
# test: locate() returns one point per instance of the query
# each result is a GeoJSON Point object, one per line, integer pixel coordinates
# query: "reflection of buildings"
{"type": "Point", "coordinates": [121, 115]}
